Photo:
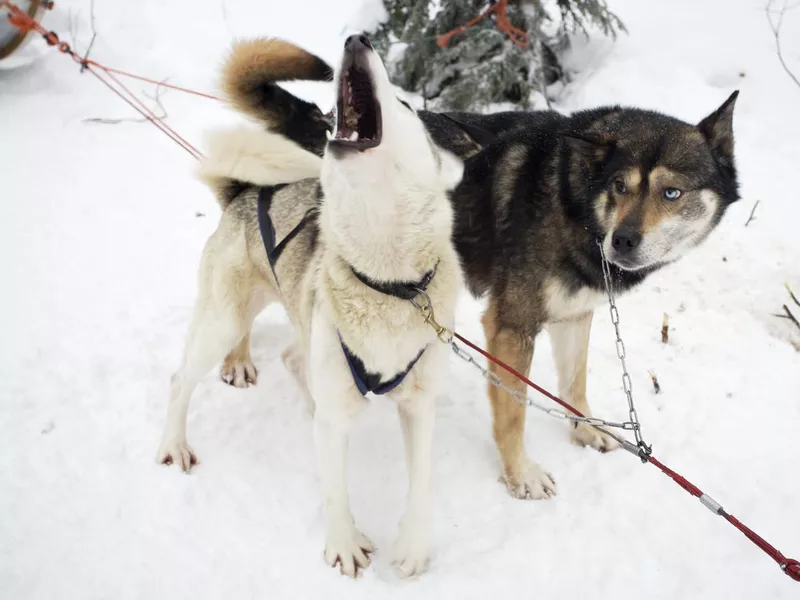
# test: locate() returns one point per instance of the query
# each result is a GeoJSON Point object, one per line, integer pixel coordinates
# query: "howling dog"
{"type": "Point", "coordinates": [345, 242]}
{"type": "Point", "coordinates": [540, 191]}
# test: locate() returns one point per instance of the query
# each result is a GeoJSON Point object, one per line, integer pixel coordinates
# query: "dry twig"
{"type": "Point", "coordinates": [790, 316]}
{"type": "Point", "coordinates": [160, 90]}
{"type": "Point", "coordinates": [752, 213]}
{"type": "Point", "coordinates": [74, 26]}
{"type": "Point", "coordinates": [665, 329]}
{"type": "Point", "coordinates": [775, 19]}
{"type": "Point", "coordinates": [72, 29]}
{"type": "Point", "coordinates": [94, 35]}
{"type": "Point", "coordinates": [791, 294]}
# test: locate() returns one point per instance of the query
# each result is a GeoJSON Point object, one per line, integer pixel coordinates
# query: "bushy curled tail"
{"type": "Point", "coordinates": [249, 156]}
{"type": "Point", "coordinates": [249, 82]}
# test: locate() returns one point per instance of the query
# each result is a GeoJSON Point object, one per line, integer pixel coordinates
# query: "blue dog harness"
{"type": "Point", "coordinates": [365, 380]}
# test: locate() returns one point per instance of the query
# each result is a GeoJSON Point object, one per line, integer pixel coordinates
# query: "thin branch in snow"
{"type": "Point", "coordinates": [789, 316]}
{"type": "Point", "coordinates": [72, 29]}
{"type": "Point", "coordinates": [160, 90]}
{"type": "Point", "coordinates": [94, 35]}
{"type": "Point", "coordinates": [775, 19]}
{"type": "Point", "coordinates": [752, 213]}
{"type": "Point", "coordinates": [791, 293]}
{"type": "Point", "coordinates": [224, 8]}
{"type": "Point", "coordinates": [665, 329]}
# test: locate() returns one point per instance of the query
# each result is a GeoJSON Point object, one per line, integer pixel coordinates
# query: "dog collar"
{"type": "Point", "coordinates": [405, 290]}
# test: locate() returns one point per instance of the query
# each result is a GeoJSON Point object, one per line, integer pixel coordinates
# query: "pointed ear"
{"type": "Point", "coordinates": [593, 150]}
{"type": "Point", "coordinates": [479, 135]}
{"type": "Point", "coordinates": [717, 128]}
{"type": "Point", "coordinates": [451, 169]}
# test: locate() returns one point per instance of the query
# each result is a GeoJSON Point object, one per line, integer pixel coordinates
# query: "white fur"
{"type": "Point", "coordinates": [675, 237]}
{"type": "Point", "coordinates": [251, 154]}
{"type": "Point", "coordinates": [386, 213]}
{"type": "Point", "coordinates": [562, 304]}
{"type": "Point", "coordinates": [384, 205]}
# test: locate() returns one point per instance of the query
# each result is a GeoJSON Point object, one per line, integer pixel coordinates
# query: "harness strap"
{"type": "Point", "coordinates": [267, 229]}
{"type": "Point", "coordinates": [371, 382]}
{"type": "Point", "coordinates": [365, 381]}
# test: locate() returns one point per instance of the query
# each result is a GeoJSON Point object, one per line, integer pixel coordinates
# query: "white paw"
{"type": "Point", "coordinates": [531, 482]}
{"type": "Point", "coordinates": [585, 435]}
{"type": "Point", "coordinates": [349, 549]}
{"type": "Point", "coordinates": [238, 373]}
{"type": "Point", "coordinates": [177, 452]}
{"type": "Point", "coordinates": [412, 550]}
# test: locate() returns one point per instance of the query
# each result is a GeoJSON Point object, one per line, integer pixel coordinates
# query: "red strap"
{"type": "Point", "coordinates": [24, 22]}
{"type": "Point", "coordinates": [518, 375]}
{"type": "Point", "coordinates": [20, 19]}
{"type": "Point", "coordinates": [790, 566]}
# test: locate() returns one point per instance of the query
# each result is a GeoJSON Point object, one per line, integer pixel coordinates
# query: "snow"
{"type": "Point", "coordinates": [100, 239]}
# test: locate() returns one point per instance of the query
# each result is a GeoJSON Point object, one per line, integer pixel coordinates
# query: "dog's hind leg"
{"type": "Point", "coordinates": [230, 294]}
{"type": "Point", "coordinates": [570, 341]}
{"type": "Point", "coordinates": [238, 369]}
{"type": "Point", "coordinates": [524, 478]}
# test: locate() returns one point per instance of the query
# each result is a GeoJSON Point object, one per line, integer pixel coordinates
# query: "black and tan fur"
{"type": "Point", "coordinates": [540, 191]}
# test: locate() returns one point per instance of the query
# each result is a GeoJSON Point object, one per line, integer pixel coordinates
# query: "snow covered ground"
{"type": "Point", "coordinates": [100, 235]}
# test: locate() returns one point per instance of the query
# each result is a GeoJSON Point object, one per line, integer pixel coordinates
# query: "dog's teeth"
{"type": "Point", "coordinates": [354, 136]}
{"type": "Point", "coordinates": [329, 134]}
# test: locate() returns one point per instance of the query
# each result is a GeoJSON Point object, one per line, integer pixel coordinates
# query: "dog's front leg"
{"type": "Point", "coordinates": [337, 402]}
{"type": "Point", "coordinates": [412, 549]}
{"type": "Point", "coordinates": [570, 342]}
{"type": "Point", "coordinates": [524, 478]}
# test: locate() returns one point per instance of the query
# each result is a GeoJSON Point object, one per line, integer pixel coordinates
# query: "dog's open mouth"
{"type": "Point", "coordinates": [358, 112]}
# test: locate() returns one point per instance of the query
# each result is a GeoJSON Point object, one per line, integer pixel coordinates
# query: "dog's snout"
{"type": "Point", "coordinates": [626, 239]}
{"type": "Point", "coordinates": [357, 42]}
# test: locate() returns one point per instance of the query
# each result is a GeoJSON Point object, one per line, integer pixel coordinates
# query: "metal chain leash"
{"type": "Point", "coordinates": [445, 335]}
{"type": "Point", "coordinates": [527, 400]}
{"type": "Point", "coordinates": [627, 385]}
{"type": "Point", "coordinates": [423, 303]}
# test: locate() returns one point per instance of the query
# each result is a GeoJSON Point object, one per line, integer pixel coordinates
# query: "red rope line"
{"type": "Point", "coordinates": [518, 375]}
{"type": "Point", "coordinates": [149, 114]}
{"type": "Point", "coordinates": [20, 19]}
{"type": "Point", "coordinates": [154, 81]}
{"type": "Point", "coordinates": [789, 566]}
{"type": "Point", "coordinates": [160, 125]}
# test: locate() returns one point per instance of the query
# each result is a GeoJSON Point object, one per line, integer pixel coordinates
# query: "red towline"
{"type": "Point", "coordinates": [24, 22]}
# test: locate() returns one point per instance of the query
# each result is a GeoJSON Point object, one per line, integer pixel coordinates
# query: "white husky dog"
{"type": "Point", "coordinates": [345, 243]}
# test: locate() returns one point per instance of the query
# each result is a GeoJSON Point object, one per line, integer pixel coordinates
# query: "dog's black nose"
{"type": "Point", "coordinates": [357, 42]}
{"type": "Point", "coordinates": [626, 239]}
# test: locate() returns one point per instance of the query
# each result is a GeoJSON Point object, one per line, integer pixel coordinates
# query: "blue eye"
{"type": "Point", "coordinates": [672, 193]}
